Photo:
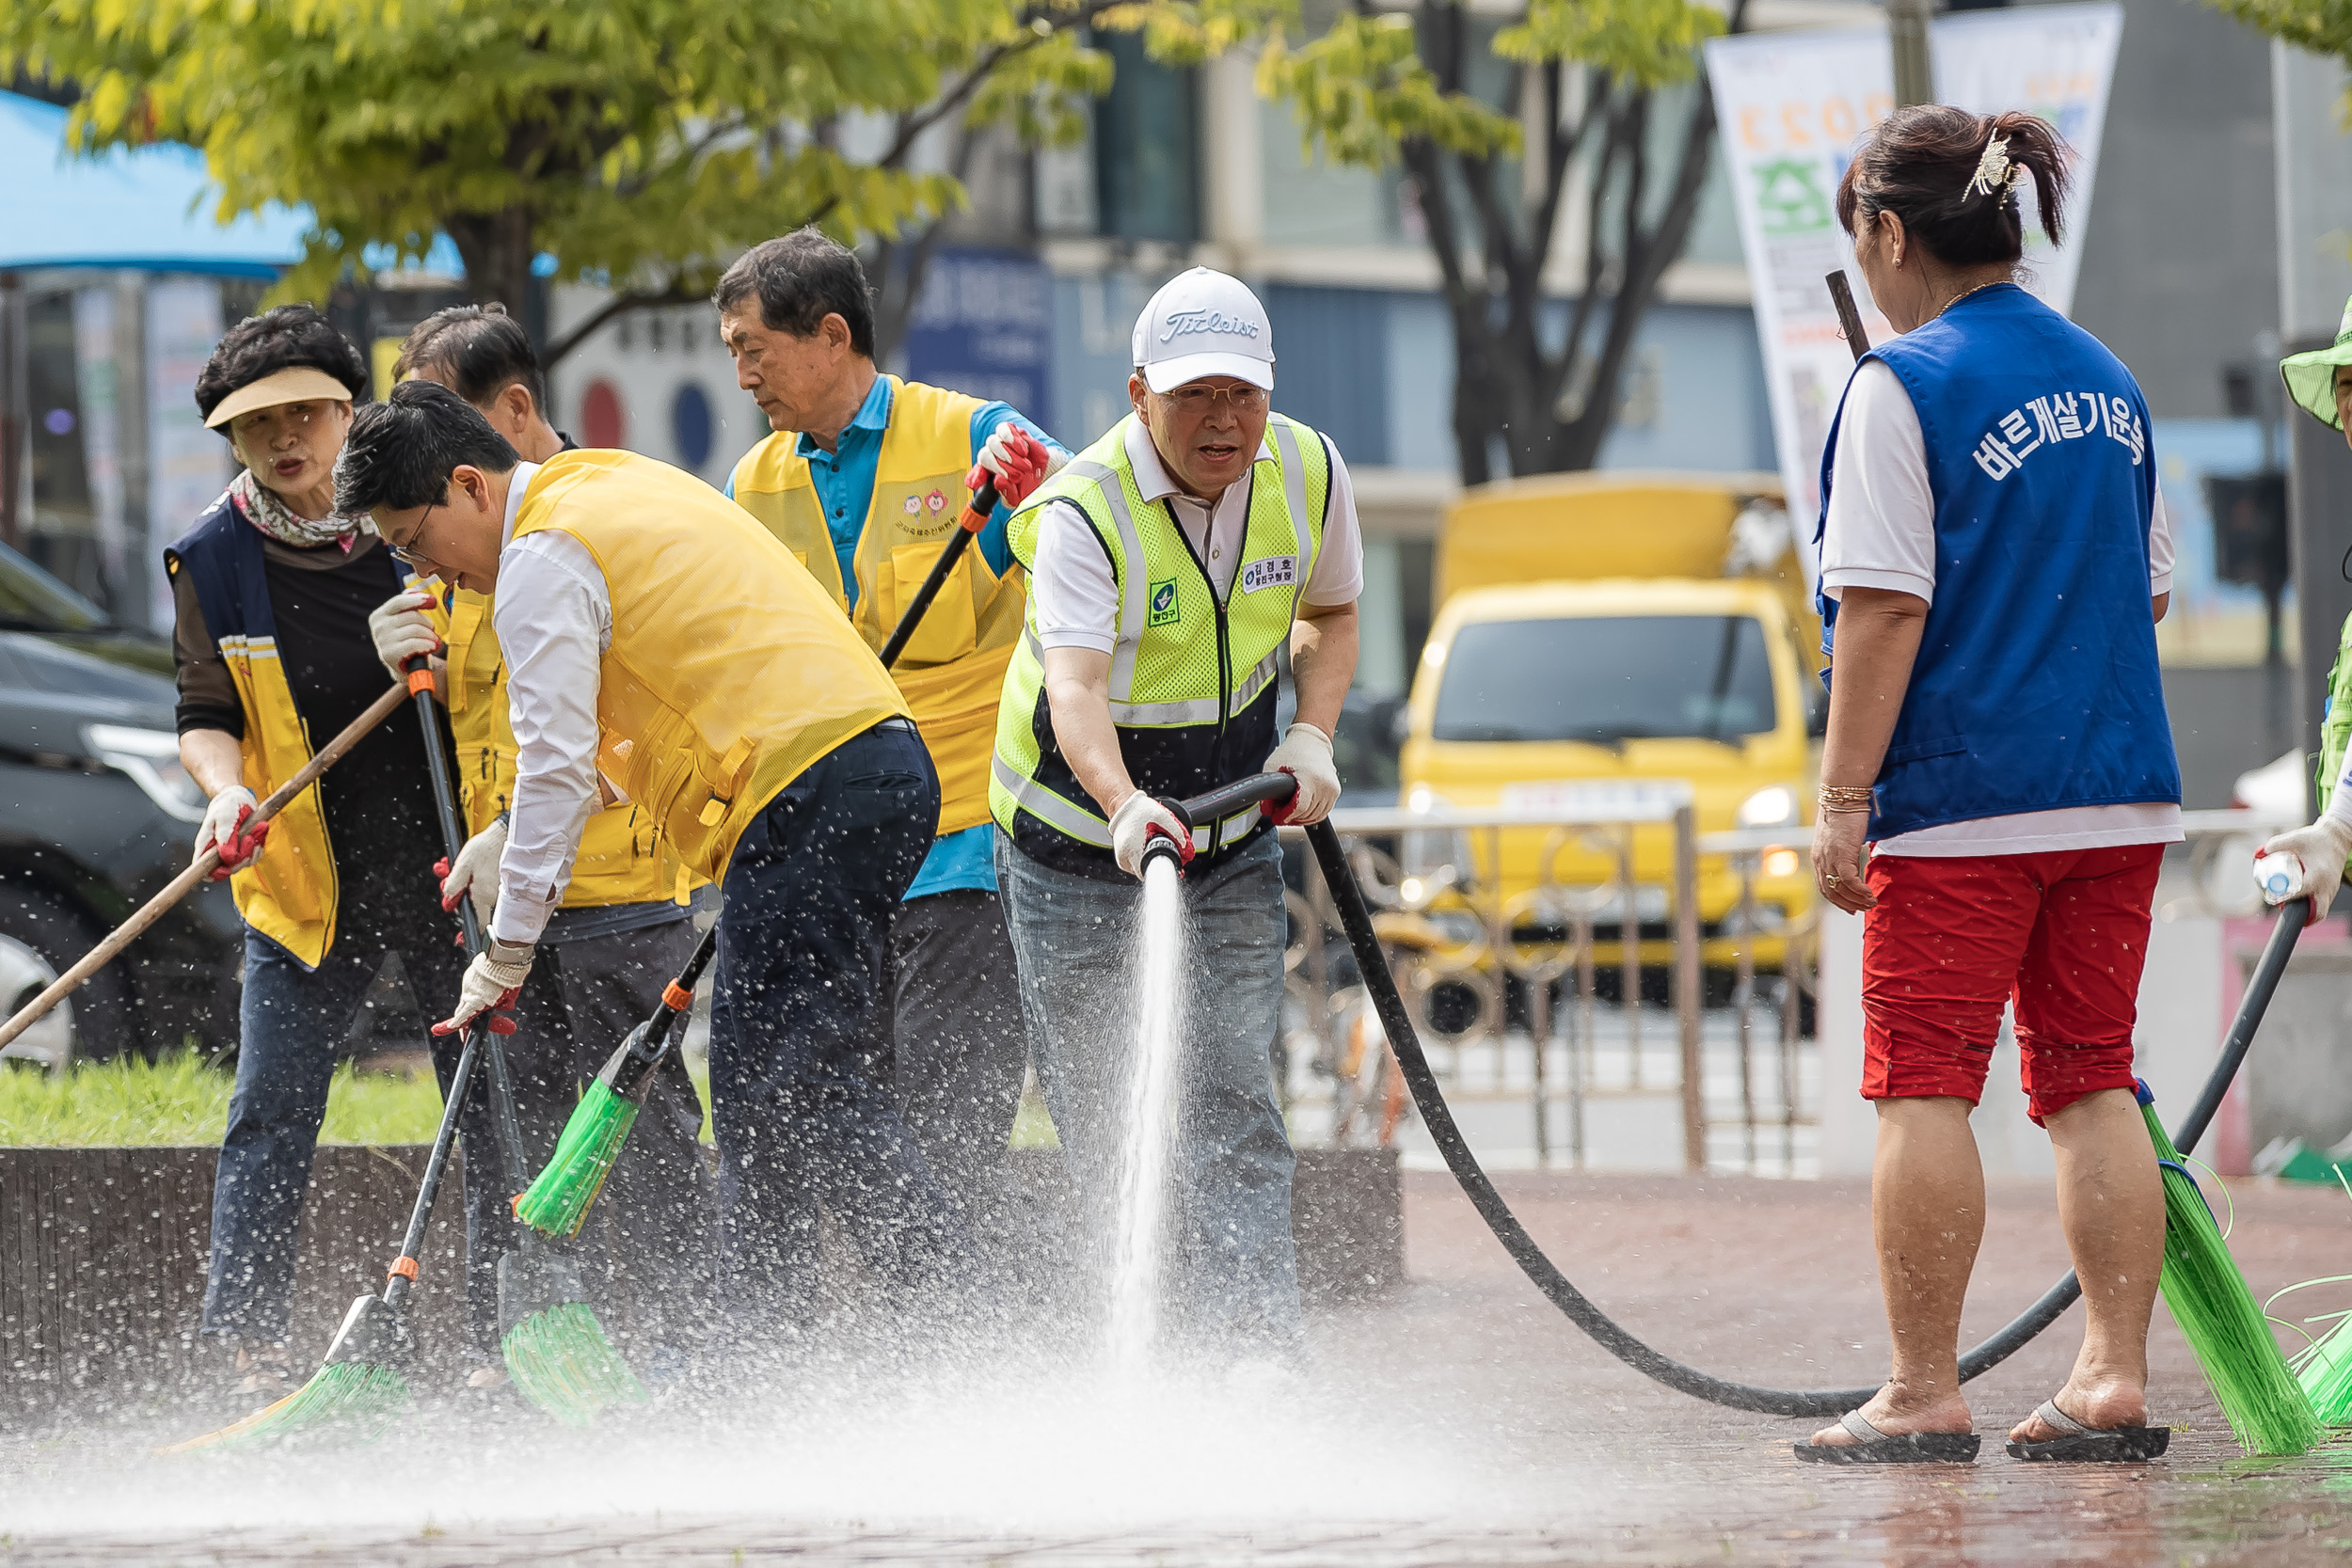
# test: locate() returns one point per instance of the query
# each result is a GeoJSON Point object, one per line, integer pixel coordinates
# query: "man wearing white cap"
{"type": "Point", "coordinates": [1168, 565]}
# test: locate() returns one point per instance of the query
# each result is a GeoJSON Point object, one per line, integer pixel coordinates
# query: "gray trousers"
{"type": "Point", "coordinates": [957, 1041]}
{"type": "Point", "coordinates": [653, 1225]}
{"type": "Point", "coordinates": [1233, 1285]}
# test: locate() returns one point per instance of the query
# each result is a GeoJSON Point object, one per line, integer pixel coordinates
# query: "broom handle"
{"type": "Point", "coordinates": [195, 875]}
{"type": "Point", "coordinates": [1849, 318]}
{"type": "Point", "coordinates": [509, 1127]}
{"type": "Point", "coordinates": [401, 1276]}
{"type": "Point", "coordinates": [2285, 932]}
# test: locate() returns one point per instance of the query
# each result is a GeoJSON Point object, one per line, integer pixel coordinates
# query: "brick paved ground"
{"type": "Point", "coordinates": [1463, 1421]}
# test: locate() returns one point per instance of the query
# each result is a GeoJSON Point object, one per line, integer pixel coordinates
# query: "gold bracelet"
{"type": "Point", "coordinates": [1827, 810]}
{"type": "Point", "coordinates": [1850, 796]}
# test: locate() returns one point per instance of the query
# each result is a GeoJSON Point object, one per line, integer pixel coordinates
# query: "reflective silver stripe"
{"type": "Point", "coordinates": [1146, 715]}
{"type": "Point", "coordinates": [1135, 580]}
{"type": "Point", "coordinates": [1293, 484]}
{"type": "Point", "coordinates": [1051, 809]}
{"type": "Point", "coordinates": [1247, 692]}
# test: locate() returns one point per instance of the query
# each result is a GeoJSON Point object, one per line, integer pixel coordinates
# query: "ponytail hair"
{"type": "Point", "coordinates": [1953, 178]}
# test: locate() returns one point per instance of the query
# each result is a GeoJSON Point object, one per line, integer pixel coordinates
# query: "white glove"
{"type": "Point", "coordinates": [1305, 754]}
{"type": "Point", "coordinates": [475, 871]}
{"type": "Point", "coordinates": [2322, 848]}
{"type": "Point", "coordinates": [1133, 822]}
{"type": "Point", "coordinates": [402, 630]}
{"type": "Point", "coordinates": [491, 981]}
{"type": "Point", "coordinates": [223, 827]}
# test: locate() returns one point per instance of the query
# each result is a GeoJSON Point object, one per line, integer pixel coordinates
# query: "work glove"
{"type": "Point", "coordinates": [491, 981]}
{"type": "Point", "coordinates": [1138, 817]}
{"type": "Point", "coordinates": [1019, 460]}
{"type": "Point", "coordinates": [1305, 754]}
{"type": "Point", "coordinates": [224, 828]}
{"type": "Point", "coordinates": [475, 871]}
{"type": "Point", "coordinates": [2322, 848]}
{"type": "Point", "coordinates": [403, 631]}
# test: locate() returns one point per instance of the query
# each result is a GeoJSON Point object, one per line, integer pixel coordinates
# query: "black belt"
{"type": "Point", "coordinates": [906, 724]}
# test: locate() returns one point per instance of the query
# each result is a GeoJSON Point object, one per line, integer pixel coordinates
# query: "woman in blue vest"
{"type": "Point", "coordinates": [1993, 560]}
{"type": "Point", "coordinates": [272, 591]}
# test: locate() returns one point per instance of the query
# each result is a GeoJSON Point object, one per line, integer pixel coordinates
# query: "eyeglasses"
{"type": "Point", "coordinates": [405, 554]}
{"type": "Point", "coordinates": [1199, 399]}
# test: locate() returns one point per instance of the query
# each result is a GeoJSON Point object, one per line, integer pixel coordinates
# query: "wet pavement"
{"type": "Point", "coordinates": [1460, 1421]}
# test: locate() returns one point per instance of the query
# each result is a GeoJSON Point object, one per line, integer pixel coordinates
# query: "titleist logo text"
{"type": "Point", "coordinates": [1182, 323]}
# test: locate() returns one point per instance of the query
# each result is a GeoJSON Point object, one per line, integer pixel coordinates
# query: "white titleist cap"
{"type": "Point", "coordinates": [1204, 323]}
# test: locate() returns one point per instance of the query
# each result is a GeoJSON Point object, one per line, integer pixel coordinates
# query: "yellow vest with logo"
{"type": "Point", "coordinates": [953, 668]}
{"type": "Point", "coordinates": [622, 860]}
{"type": "Point", "coordinates": [729, 672]}
{"type": "Point", "coordinates": [289, 891]}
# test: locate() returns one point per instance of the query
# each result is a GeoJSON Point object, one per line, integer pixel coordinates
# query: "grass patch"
{"type": "Point", "coordinates": [179, 1101]}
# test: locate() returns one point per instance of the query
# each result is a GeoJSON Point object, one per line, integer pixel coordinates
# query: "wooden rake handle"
{"type": "Point", "coordinates": [195, 875]}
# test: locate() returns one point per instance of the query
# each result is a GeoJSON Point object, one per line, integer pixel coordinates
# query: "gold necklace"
{"type": "Point", "coordinates": [1965, 293]}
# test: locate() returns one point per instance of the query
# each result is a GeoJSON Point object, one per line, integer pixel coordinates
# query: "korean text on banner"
{"type": "Point", "coordinates": [1794, 106]}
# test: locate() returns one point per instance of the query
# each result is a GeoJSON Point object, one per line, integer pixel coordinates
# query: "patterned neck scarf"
{"type": "Point", "coordinates": [266, 510]}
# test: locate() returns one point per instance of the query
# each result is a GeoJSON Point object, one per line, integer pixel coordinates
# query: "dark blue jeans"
{"type": "Point", "coordinates": [799, 1037]}
{"type": "Point", "coordinates": [292, 1026]}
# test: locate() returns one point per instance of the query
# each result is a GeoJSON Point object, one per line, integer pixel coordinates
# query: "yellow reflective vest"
{"type": "Point", "coordinates": [621, 858]}
{"type": "Point", "coordinates": [954, 666]}
{"type": "Point", "coordinates": [730, 670]}
{"type": "Point", "coordinates": [288, 892]}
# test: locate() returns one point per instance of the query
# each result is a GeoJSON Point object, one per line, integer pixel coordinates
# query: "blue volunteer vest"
{"type": "Point", "coordinates": [2036, 685]}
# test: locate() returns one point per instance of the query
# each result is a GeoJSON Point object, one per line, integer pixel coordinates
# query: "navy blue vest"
{"type": "Point", "coordinates": [2036, 685]}
{"type": "Point", "coordinates": [222, 555]}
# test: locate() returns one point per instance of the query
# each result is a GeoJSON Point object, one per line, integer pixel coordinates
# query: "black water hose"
{"type": "Point", "coordinates": [1356, 921]}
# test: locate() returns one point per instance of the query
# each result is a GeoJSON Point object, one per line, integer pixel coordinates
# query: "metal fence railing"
{"type": "Point", "coordinates": [1530, 993]}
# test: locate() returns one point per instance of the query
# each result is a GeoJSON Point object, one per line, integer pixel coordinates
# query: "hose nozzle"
{"type": "Point", "coordinates": [1158, 841]}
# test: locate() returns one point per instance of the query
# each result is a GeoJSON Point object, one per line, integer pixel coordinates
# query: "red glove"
{"type": "Point", "coordinates": [1019, 460]}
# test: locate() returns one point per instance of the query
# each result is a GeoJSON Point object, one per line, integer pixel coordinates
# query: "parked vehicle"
{"type": "Point", "coordinates": [96, 815]}
{"type": "Point", "coordinates": [1601, 633]}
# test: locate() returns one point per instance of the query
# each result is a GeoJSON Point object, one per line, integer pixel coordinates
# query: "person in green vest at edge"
{"type": "Point", "coordinates": [2321, 383]}
{"type": "Point", "coordinates": [1169, 565]}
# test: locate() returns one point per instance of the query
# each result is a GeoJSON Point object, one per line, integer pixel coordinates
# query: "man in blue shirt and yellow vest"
{"type": "Point", "coordinates": [1169, 565]}
{"type": "Point", "coordinates": [863, 481]}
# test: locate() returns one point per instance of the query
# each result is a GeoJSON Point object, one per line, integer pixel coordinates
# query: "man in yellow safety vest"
{"type": "Point", "coordinates": [863, 481]}
{"type": "Point", "coordinates": [663, 649]}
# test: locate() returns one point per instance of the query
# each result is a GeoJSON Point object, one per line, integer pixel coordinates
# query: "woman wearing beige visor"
{"type": "Point", "coordinates": [272, 592]}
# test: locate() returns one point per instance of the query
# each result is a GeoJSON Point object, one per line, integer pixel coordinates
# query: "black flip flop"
{"type": "Point", "coordinates": [1873, 1447]}
{"type": "Point", "coordinates": [2084, 1445]}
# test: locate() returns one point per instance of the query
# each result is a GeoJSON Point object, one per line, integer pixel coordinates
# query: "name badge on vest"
{"type": "Point", "coordinates": [1275, 571]}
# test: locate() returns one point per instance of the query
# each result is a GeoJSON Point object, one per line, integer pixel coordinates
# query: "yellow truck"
{"type": "Point", "coordinates": [1599, 632]}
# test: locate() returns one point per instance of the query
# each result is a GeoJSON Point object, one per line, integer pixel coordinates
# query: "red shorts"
{"type": "Point", "coordinates": [2064, 933]}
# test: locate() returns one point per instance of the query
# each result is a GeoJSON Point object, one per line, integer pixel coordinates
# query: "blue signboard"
{"type": "Point", "coordinates": [984, 325]}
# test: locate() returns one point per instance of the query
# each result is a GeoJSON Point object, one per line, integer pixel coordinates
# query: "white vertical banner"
{"type": "Point", "coordinates": [187, 464]}
{"type": "Point", "coordinates": [1794, 106]}
{"type": "Point", "coordinates": [2054, 61]}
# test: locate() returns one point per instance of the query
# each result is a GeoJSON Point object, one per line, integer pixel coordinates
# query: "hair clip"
{"type": "Point", "coordinates": [1993, 176]}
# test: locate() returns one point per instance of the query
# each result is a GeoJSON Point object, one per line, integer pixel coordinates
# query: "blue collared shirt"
{"type": "Point", "coordinates": [844, 481]}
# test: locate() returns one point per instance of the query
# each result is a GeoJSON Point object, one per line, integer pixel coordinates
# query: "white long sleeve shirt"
{"type": "Point", "coordinates": [553, 613]}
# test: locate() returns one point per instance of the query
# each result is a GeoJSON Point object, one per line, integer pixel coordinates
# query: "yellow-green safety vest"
{"type": "Point", "coordinates": [1192, 678]}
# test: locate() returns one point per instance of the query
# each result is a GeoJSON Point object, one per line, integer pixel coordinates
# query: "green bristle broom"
{"type": "Point", "coordinates": [557, 1203]}
{"type": "Point", "coordinates": [2324, 1366]}
{"type": "Point", "coordinates": [2217, 1315]}
{"type": "Point", "coordinates": [555, 1350]}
